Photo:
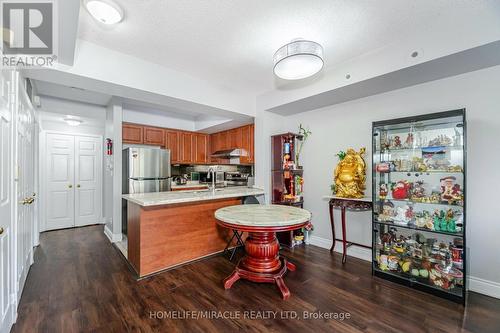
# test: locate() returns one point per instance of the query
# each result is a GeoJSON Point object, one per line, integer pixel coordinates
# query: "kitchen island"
{"type": "Point", "coordinates": [167, 229]}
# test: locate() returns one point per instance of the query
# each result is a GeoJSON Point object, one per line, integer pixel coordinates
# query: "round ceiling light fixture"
{"type": "Point", "coordinates": [298, 59]}
{"type": "Point", "coordinates": [71, 121]}
{"type": "Point", "coordinates": [104, 11]}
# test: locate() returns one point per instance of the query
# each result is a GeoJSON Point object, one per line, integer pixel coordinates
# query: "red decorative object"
{"type": "Point", "coordinates": [353, 205]}
{"type": "Point", "coordinates": [262, 262]}
{"type": "Point", "coordinates": [401, 190]}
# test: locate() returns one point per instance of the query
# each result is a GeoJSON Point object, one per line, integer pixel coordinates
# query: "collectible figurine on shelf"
{"type": "Point", "coordinates": [401, 189]}
{"type": "Point", "coordinates": [387, 212]}
{"type": "Point", "coordinates": [397, 142]}
{"type": "Point", "coordinates": [404, 215]}
{"type": "Point", "coordinates": [455, 168]}
{"type": "Point", "coordinates": [350, 175]}
{"type": "Point", "coordinates": [383, 190]}
{"type": "Point", "coordinates": [441, 140]}
{"type": "Point", "coordinates": [410, 140]}
{"type": "Point", "coordinates": [419, 165]}
{"type": "Point", "coordinates": [424, 220]}
{"type": "Point", "coordinates": [450, 191]}
{"type": "Point", "coordinates": [445, 221]}
{"type": "Point", "coordinates": [418, 191]}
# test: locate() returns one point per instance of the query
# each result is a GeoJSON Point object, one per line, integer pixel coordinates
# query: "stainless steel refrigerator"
{"type": "Point", "coordinates": [144, 170]}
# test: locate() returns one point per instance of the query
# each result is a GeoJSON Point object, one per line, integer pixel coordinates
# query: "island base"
{"type": "Point", "coordinates": [262, 263]}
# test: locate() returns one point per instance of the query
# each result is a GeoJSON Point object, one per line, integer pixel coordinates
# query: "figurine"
{"type": "Point", "coordinates": [450, 192]}
{"type": "Point", "coordinates": [404, 215]}
{"type": "Point", "coordinates": [441, 140]}
{"type": "Point", "coordinates": [409, 140]}
{"type": "Point", "coordinates": [383, 190]}
{"type": "Point", "coordinates": [418, 191]}
{"type": "Point", "coordinates": [397, 142]}
{"type": "Point", "coordinates": [401, 189]}
{"type": "Point", "coordinates": [419, 165]}
{"type": "Point", "coordinates": [387, 212]}
{"type": "Point", "coordinates": [350, 175]}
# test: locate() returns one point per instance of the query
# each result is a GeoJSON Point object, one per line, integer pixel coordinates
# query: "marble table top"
{"type": "Point", "coordinates": [169, 198]}
{"type": "Point", "coordinates": [263, 215]}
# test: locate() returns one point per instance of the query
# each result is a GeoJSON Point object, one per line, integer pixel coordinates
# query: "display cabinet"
{"type": "Point", "coordinates": [286, 178]}
{"type": "Point", "coordinates": [419, 206]}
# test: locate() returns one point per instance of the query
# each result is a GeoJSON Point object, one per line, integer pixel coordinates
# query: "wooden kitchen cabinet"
{"type": "Point", "coordinates": [246, 134]}
{"type": "Point", "coordinates": [201, 148]}
{"type": "Point", "coordinates": [154, 136]}
{"type": "Point", "coordinates": [172, 142]}
{"type": "Point", "coordinates": [187, 151]}
{"type": "Point", "coordinates": [223, 140]}
{"type": "Point", "coordinates": [235, 138]}
{"type": "Point", "coordinates": [132, 133]}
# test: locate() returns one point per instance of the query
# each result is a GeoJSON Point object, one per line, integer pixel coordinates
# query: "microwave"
{"type": "Point", "coordinates": [219, 177]}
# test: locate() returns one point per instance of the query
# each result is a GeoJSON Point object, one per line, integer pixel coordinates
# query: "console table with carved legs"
{"type": "Point", "coordinates": [351, 204]}
{"type": "Point", "coordinates": [262, 262]}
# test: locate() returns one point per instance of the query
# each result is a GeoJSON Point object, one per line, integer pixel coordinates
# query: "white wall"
{"type": "Point", "coordinates": [346, 125]}
{"type": "Point", "coordinates": [158, 119]}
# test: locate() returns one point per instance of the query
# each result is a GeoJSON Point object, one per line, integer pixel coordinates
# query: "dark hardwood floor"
{"type": "Point", "coordinates": [80, 283]}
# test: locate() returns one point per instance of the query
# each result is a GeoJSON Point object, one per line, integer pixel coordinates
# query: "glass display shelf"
{"type": "Point", "coordinates": [419, 180]}
{"type": "Point", "coordinates": [457, 291]}
{"type": "Point", "coordinates": [414, 227]}
{"type": "Point", "coordinates": [416, 202]}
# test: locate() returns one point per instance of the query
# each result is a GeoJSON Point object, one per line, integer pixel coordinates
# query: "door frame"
{"type": "Point", "coordinates": [42, 208]}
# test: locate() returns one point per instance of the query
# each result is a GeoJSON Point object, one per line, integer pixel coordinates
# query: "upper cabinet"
{"type": "Point", "coordinates": [190, 147]}
{"type": "Point", "coordinates": [132, 133]}
{"type": "Point", "coordinates": [201, 148]}
{"type": "Point", "coordinates": [172, 142]}
{"type": "Point", "coordinates": [187, 151]}
{"type": "Point", "coordinates": [154, 136]}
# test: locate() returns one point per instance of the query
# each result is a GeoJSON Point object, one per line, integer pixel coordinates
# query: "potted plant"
{"type": "Point", "coordinates": [304, 133]}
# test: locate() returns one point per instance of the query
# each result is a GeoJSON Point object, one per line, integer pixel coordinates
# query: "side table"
{"type": "Point", "coordinates": [352, 204]}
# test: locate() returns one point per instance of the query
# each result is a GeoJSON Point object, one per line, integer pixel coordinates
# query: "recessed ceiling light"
{"type": "Point", "coordinates": [298, 60]}
{"type": "Point", "coordinates": [104, 11]}
{"type": "Point", "coordinates": [72, 121]}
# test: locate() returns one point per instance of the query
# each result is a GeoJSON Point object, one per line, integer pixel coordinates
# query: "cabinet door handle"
{"type": "Point", "coordinates": [78, 186]}
{"type": "Point", "coordinates": [1, 230]}
{"type": "Point", "coordinates": [70, 186]}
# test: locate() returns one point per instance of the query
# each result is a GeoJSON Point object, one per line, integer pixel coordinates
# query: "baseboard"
{"type": "Point", "coordinates": [113, 238]}
{"type": "Point", "coordinates": [485, 287]}
{"type": "Point", "coordinates": [353, 251]}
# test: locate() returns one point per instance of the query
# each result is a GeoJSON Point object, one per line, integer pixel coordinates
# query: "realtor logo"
{"type": "Point", "coordinates": [28, 31]}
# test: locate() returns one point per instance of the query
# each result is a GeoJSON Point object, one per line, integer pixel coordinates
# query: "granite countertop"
{"type": "Point", "coordinates": [263, 215]}
{"type": "Point", "coordinates": [176, 197]}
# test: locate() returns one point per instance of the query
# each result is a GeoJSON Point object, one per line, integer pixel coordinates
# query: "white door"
{"type": "Point", "coordinates": [6, 198]}
{"type": "Point", "coordinates": [60, 200]}
{"type": "Point", "coordinates": [87, 179]}
{"type": "Point", "coordinates": [24, 189]}
{"type": "Point", "coordinates": [73, 176]}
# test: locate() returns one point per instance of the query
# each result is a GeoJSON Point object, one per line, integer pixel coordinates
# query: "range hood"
{"type": "Point", "coordinates": [230, 153]}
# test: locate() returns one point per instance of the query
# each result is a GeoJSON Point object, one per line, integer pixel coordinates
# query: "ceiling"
{"type": "Point", "coordinates": [232, 42]}
{"type": "Point", "coordinates": [70, 93]}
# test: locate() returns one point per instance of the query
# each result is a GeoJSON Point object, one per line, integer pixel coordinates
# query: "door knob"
{"type": "Point", "coordinates": [29, 201]}
{"type": "Point", "coordinates": [78, 186]}
{"type": "Point", "coordinates": [70, 186]}
{"type": "Point", "coordinates": [1, 230]}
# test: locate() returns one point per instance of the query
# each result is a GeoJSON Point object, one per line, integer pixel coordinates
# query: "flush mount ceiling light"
{"type": "Point", "coordinates": [72, 121]}
{"type": "Point", "coordinates": [104, 11]}
{"type": "Point", "coordinates": [298, 59]}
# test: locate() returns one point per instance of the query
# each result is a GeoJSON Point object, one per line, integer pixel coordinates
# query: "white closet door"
{"type": "Point", "coordinates": [88, 180]}
{"type": "Point", "coordinates": [6, 198]}
{"type": "Point", "coordinates": [60, 177]}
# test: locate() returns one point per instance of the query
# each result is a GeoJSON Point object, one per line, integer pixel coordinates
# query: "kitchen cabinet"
{"type": "Point", "coordinates": [154, 136]}
{"type": "Point", "coordinates": [191, 147]}
{"type": "Point", "coordinates": [235, 138]}
{"type": "Point", "coordinates": [201, 148]}
{"type": "Point", "coordinates": [172, 142]}
{"type": "Point", "coordinates": [132, 133]}
{"type": "Point", "coordinates": [187, 151]}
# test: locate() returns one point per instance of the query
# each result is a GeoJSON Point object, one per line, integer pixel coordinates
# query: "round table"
{"type": "Point", "coordinates": [262, 262]}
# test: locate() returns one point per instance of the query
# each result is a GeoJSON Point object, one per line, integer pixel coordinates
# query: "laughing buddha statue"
{"type": "Point", "coordinates": [350, 175]}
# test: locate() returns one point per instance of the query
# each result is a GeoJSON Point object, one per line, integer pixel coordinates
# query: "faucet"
{"type": "Point", "coordinates": [211, 175]}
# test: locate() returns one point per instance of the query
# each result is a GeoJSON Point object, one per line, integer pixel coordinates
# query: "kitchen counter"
{"type": "Point", "coordinates": [168, 229]}
{"type": "Point", "coordinates": [177, 197]}
{"type": "Point", "coordinates": [189, 186]}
